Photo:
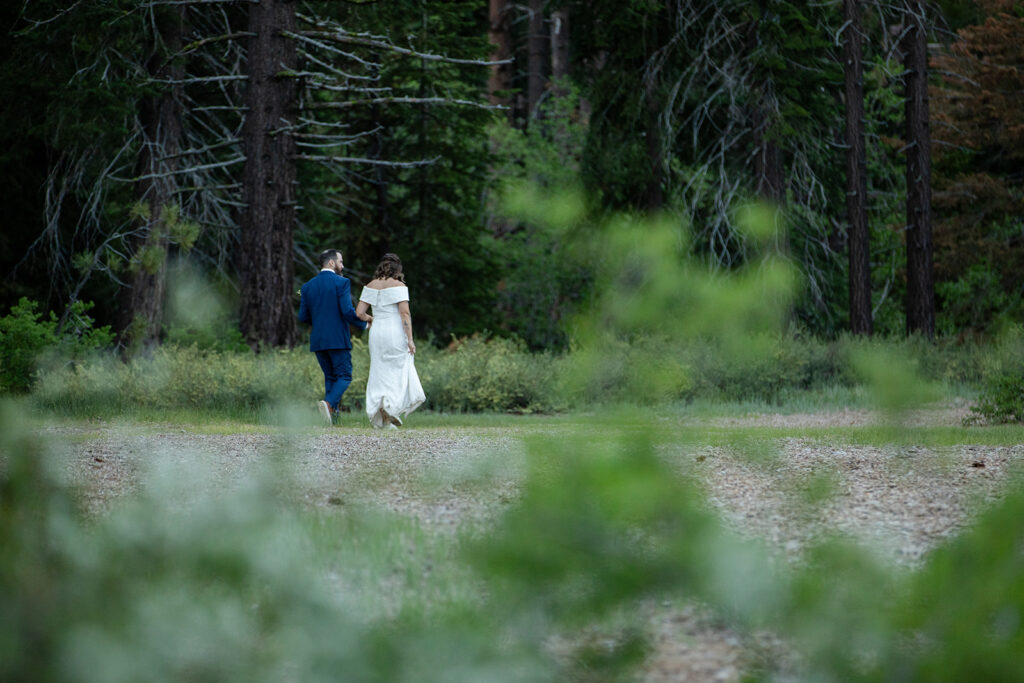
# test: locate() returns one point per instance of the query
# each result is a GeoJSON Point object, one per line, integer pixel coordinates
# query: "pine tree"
{"type": "Point", "coordinates": [920, 305]}
{"type": "Point", "coordinates": [856, 173]}
{"type": "Point", "coordinates": [979, 192]}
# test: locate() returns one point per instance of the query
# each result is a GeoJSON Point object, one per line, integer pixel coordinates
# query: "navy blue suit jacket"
{"type": "Point", "coordinates": [326, 302]}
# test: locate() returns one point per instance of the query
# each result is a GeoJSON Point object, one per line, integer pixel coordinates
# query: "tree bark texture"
{"type": "Point", "coordinates": [858, 240]}
{"type": "Point", "coordinates": [267, 227]}
{"type": "Point", "coordinates": [501, 74]}
{"type": "Point", "coordinates": [142, 301]}
{"type": "Point", "coordinates": [655, 194]}
{"type": "Point", "coordinates": [537, 43]}
{"type": "Point", "coordinates": [920, 304]}
{"type": "Point", "coordinates": [768, 174]}
{"type": "Point", "coordinates": [560, 48]}
{"type": "Point", "coordinates": [769, 181]}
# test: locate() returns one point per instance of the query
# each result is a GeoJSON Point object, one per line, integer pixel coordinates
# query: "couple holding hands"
{"type": "Point", "coordinates": [393, 387]}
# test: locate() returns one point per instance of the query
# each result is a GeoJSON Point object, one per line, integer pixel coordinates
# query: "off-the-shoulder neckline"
{"type": "Point", "coordinates": [381, 289]}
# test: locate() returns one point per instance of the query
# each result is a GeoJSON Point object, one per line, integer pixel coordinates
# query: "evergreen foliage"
{"type": "Point", "coordinates": [979, 119]}
{"type": "Point", "coordinates": [25, 335]}
{"type": "Point", "coordinates": [680, 107]}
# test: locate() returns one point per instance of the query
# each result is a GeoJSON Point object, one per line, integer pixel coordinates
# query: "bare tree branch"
{"type": "Point", "coordinates": [364, 160]}
{"type": "Point", "coordinates": [351, 39]}
{"type": "Point", "coordinates": [402, 100]}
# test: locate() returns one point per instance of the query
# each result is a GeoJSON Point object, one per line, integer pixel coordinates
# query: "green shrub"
{"type": "Point", "coordinates": [183, 377]}
{"type": "Point", "coordinates": [25, 336]}
{"type": "Point", "coordinates": [477, 374]}
{"type": "Point", "coordinates": [1002, 399]}
{"type": "Point", "coordinates": [474, 375]}
{"type": "Point", "coordinates": [222, 335]}
{"type": "Point", "coordinates": [645, 370]}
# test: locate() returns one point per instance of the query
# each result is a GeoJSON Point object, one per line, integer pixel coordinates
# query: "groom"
{"type": "Point", "coordinates": [326, 302]}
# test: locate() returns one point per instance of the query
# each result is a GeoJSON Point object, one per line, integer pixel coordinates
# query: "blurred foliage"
{"type": "Point", "coordinates": [200, 312]}
{"type": "Point", "coordinates": [1002, 389]}
{"type": "Point", "coordinates": [187, 579]}
{"type": "Point", "coordinates": [26, 336]}
{"type": "Point", "coordinates": [184, 579]}
{"type": "Point", "coordinates": [547, 274]}
{"type": "Point", "coordinates": [192, 580]}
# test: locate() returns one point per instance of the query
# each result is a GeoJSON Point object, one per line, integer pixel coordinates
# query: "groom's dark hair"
{"type": "Point", "coordinates": [328, 256]}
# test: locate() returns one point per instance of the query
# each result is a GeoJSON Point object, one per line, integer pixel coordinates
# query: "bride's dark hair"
{"type": "Point", "coordinates": [390, 266]}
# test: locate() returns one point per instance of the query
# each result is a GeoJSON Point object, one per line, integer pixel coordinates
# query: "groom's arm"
{"type": "Point", "coordinates": [348, 313]}
{"type": "Point", "coordinates": [304, 315]}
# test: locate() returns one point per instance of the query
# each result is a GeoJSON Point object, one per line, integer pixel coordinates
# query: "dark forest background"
{"type": "Point", "coordinates": [230, 140]}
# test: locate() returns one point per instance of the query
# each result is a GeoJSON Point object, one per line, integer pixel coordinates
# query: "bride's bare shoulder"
{"type": "Point", "coordinates": [391, 282]}
{"type": "Point", "coordinates": [376, 284]}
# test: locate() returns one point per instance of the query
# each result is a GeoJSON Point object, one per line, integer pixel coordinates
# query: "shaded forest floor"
{"type": "Point", "coordinates": [785, 480]}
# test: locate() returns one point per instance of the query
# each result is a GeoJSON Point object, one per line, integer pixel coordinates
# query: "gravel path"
{"type": "Point", "coordinates": [902, 500]}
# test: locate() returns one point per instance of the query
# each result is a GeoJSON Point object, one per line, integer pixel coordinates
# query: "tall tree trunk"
{"type": "Point", "coordinates": [501, 74]}
{"type": "Point", "coordinates": [422, 178]}
{"type": "Point", "coordinates": [382, 235]}
{"type": "Point", "coordinates": [655, 194]}
{"type": "Point", "coordinates": [769, 182]}
{"type": "Point", "coordinates": [859, 244]}
{"type": "Point", "coordinates": [560, 49]}
{"type": "Point", "coordinates": [920, 306]}
{"type": "Point", "coordinates": [537, 43]}
{"type": "Point", "coordinates": [269, 179]}
{"type": "Point", "coordinates": [768, 174]}
{"type": "Point", "coordinates": [142, 301]}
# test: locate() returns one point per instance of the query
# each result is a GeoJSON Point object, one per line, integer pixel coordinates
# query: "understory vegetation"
{"type": "Point", "coordinates": [478, 374]}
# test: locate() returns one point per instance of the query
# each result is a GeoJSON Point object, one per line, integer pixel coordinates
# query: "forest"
{"type": "Point", "coordinates": [718, 311]}
{"type": "Point", "coordinates": [234, 140]}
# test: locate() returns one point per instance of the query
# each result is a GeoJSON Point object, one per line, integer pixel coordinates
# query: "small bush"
{"type": "Point", "coordinates": [477, 374]}
{"type": "Point", "coordinates": [473, 375]}
{"type": "Point", "coordinates": [25, 336]}
{"type": "Point", "coordinates": [640, 371]}
{"type": "Point", "coordinates": [222, 335]}
{"type": "Point", "coordinates": [182, 377]}
{"type": "Point", "coordinates": [1002, 399]}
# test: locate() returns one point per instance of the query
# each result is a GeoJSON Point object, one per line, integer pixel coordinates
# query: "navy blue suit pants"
{"type": "Point", "coordinates": [337, 367]}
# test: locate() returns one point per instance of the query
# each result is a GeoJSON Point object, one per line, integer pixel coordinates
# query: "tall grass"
{"type": "Point", "coordinates": [500, 375]}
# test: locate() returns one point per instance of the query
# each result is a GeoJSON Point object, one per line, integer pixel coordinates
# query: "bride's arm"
{"type": "Point", "coordinates": [403, 311]}
{"type": "Point", "coordinates": [361, 313]}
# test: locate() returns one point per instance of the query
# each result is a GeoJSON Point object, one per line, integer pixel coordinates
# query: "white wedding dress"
{"type": "Point", "coordinates": [393, 388]}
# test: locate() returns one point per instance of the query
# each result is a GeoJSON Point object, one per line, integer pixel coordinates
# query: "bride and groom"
{"type": "Point", "coordinates": [393, 388]}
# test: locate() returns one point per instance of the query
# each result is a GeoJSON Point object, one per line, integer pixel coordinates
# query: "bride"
{"type": "Point", "coordinates": [393, 388]}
